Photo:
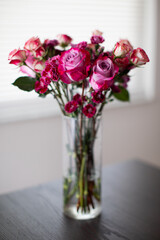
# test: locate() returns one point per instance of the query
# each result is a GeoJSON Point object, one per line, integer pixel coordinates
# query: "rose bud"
{"type": "Point", "coordinates": [125, 41]}
{"type": "Point", "coordinates": [139, 57]}
{"type": "Point", "coordinates": [122, 48]}
{"type": "Point", "coordinates": [17, 57]}
{"type": "Point", "coordinates": [32, 44]}
{"type": "Point", "coordinates": [64, 40]}
{"type": "Point", "coordinates": [97, 33]}
{"type": "Point", "coordinates": [103, 74]}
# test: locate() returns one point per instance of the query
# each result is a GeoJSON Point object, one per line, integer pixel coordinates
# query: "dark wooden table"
{"type": "Point", "coordinates": [131, 209]}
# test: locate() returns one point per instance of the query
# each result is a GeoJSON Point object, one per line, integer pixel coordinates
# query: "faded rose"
{"type": "Point", "coordinates": [122, 48]}
{"type": "Point", "coordinates": [17, 57]}
{"type": "Point", "coordinates": [74, 65]}
{"type": "Point", "coordinates": [139, 57]}
{"type": "Point", "coordinates": [104, 71]}
{"type": "Point", "coordinates": [64, 40]}
{"type": "Point", "coordinates": [97, 33]}
{"type": "Point", "coordinates": [32, 44]}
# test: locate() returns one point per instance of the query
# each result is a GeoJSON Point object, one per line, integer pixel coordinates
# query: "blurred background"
{"type": "Point", "coordinates": [31, 128]}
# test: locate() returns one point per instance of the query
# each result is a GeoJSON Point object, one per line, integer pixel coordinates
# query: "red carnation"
{"type": "Point", "coordinates": [98, 97]}
{"type": "Point", "coordinates": [89, 110]}
{"type": "Point", "coordinates": [71, 106]}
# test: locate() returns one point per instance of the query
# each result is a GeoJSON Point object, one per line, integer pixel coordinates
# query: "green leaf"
{"type": "Point", "coordinates": [25, 83]}
{"type": "Point", "coordinates": [123, 95]}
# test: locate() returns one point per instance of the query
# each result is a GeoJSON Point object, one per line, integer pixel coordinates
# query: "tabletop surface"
{"type": "Point", "coordinates": [130, 201]}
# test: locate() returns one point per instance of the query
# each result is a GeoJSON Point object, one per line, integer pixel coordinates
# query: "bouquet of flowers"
{"type": "Point", "coordinates": [82, 78]}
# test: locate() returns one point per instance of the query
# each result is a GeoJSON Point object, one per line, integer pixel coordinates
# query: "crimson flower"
{"type": "Point", "coordinates": [71, 106]}
{"type": "Point", "coordinates": [89, 110]}
{"type": "Point", "coordinates": [97, 97]}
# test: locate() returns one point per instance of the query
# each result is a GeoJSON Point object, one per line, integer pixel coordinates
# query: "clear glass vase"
{"type": "Point", "coordinates": [82, 167]}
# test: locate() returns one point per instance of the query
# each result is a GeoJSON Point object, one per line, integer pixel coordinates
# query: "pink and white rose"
{"type": "Point", "coordinates": [74, 65]}
{"type": "Point", "coordinates": [17, 57]}
{"type": "Point", "coordinates": [39, 52]}
{"type": "Point", "coordinates": [32, 44]}
{"type": "Point", "coordinates": [64, 40]}
{"type": "Point", "coordinates": [103, 74]}
{"type": "Point", "coordinates": [122, 48]}
{"type": "Point", "coordinates": [139, 57]}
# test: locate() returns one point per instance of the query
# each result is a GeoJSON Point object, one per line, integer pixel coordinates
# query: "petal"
{"type": "Point", "coordinates": [65, 78]}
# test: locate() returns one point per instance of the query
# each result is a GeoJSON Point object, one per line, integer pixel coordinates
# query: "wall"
{"type": "Point", "coordinates": [30, 151]}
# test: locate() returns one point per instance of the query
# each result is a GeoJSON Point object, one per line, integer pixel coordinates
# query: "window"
{"type": "Point", "coordinates": [20, 20]}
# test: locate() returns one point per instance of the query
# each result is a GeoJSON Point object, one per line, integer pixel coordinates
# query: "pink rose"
{"type": "Point", "coordinates": [122, 48]}
{"type": "Point", "coordinates": [38, 65]}
{"type": "Point", "coordinates": [97, 33]}
{"type": "Point", "coordinates": [32, 44]}
{"type": "Point", "coordinates": [139, 57]}
{"type": "Point", "coordinates": [64, 40]}
{"type": "Point", "coordinates": [74, 65]}
{"type": "Point", "coordinates": [104, 71]}
{"type": "Point", "coordinates": [17, 57]}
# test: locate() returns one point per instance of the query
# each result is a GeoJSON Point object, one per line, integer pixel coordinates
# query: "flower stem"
{"type": "Point", "coordinates": [81, 121]}
{"type": "Point", "coordinates": [55, 96]}
{"type": "Point", "coordinates": [81, 182]}
{"type": "Point", "coordinates": [32, 70]}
